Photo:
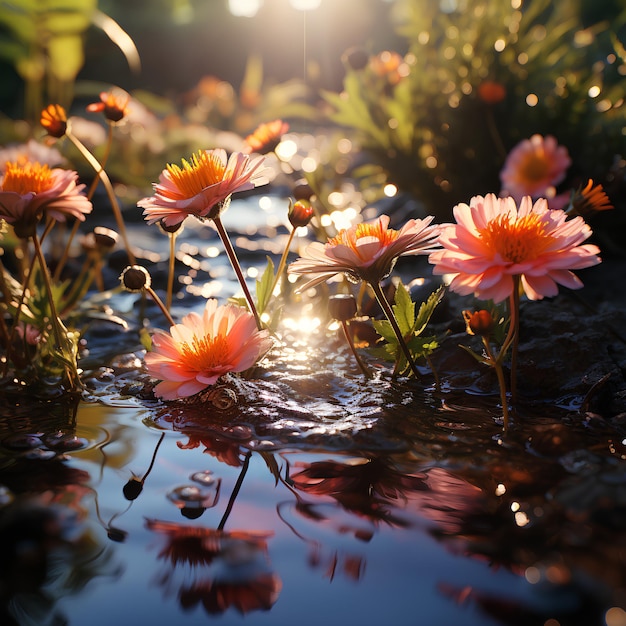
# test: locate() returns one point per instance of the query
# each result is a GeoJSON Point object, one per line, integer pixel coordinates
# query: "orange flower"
{"type": "Point", "coordinates": [198, 351]}
{"type": "Point", "coordinates": [28, 190]}
{"type": "Point", "coordinates": [587, 201]}
{"type": "Point", "coordinates": [266, 137]}
{"type": "Point", "coordinates": [113, 103]}
{"type": "Point", "coordinates": [390, 66]}
{"type": "Point", "coordinates": [366, 251]}
{"type": "Point", "coordinates": [493, 241]}
{"type": "Point", "coordinates": [54, 120]}
{"type": "Point", "coordinates": [491, 92]}
{"type": "Point", "coordinates": [534, 167]}
{"type": "Point", "coordinates": [201, 186]}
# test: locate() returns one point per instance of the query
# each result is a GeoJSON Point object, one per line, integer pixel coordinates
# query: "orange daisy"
{"type": "Point", "coordinates": [534, 167]}
{"type": "Point", "coordinates": [201, 185]}
{"type": "Point", "coordinates": [196, 352]}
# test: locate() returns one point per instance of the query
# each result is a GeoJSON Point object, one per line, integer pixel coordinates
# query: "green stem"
{"type": "Point", "coordinates": [232, 256]}
{"type": "Point", "coordinates": [283, 261]}
{"type": "Point", "coordinates": [59, 331]}
{"type": "Point", "coordinates": [106, 181]}
{"type": "Point", "coordinates": [360, 363]}
{"type": "Point", "coordinates": [388, 311]}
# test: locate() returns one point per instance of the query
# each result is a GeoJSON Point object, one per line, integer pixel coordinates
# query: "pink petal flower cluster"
{"type": "Point", "coordinates": [534, 167]}
{"type": "Point", "coordinates": [196, 352]}
{"type": "Point", "coordinates": [28, 190]}
{"type": "Point", "coordinates": [366, 251]}
{"type": "Point", "coordinates": [493, 241]}
{"type": "Point", "coordinates": [200, 186]}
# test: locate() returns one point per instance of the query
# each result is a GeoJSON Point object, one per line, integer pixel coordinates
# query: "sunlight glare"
{"type": "Point", "coordinates": [244, 8]}
{"type": "Point", "coordinates": [305, 5]}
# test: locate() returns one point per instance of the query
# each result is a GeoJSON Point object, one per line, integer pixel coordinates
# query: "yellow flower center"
{"type": "Point", "coordinates": [203, 169]}
{"type": "Point", "coordinates": [519, 240]}
{"type": "Point", "coordinates": [205, 353]}
{"type": "Point", "coordinates": [535, 167]}
{"type": "Point", "coordinates": [27, 177]}
{"type": "Point", "coordinates": [349, 237]}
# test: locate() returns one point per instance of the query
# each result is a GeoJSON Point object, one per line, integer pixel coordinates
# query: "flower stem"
{"type": "Point", "coordinates": [388, 311]}
{"type": "Point", "coordinates": [106, 181]}
{"type": "Point", "coordinates": [153, 294]}
{"type": "Point", "coordinates": [503, 399]}
{"type": "Point", "coordinates": [515, 324]}
{"type": "Point", "coordinates": [283, 261]}
{"type": "Point", "coordinates": [170, 275]}
{"type": "Point", "coordinates": [232, 256]}
{"type": "Point", "coordinates": [63, 347]}
{"type": "Point", "coordinates": [359, 361]}
{"type": "Point", "coordinates": [236, 489]}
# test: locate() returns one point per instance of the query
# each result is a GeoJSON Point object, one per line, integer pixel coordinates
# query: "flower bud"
{"type": "Point", "coordinates": [135, 278]}
{"type": "Point", "coordinates": [302, 190]}
{"type": "Point", "coordinates": [479, 323]}
{"type": "Point", "coordinates": [54, 120]}
{"type": "Point", "coordinates": [300, 213]}
{"type": "Point", "coordinates": [105, 237]}
{"type": "Point", "coordinates": [132, 489]}
{"type": "Point", "coordinates": [342, 307]}
{"type": "Point", "coordinates": [169, 228]}
{"type": "Point", "coordinates": [491, 92]}
{"type": "Point", "coordinates": [355, 58]}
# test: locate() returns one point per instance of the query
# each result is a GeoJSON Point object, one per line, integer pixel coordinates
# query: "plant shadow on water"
{"type": "Point", "coordinates": [306, 492]}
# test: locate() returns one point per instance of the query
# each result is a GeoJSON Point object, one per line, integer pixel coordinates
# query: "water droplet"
{"type": "Point", "coordinates": [204, 478]}
{"type": "Point", "coordinates": [194, 497]}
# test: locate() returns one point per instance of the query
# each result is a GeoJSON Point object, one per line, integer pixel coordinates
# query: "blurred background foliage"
{"type": "Point", "coordinates": [478, 77]}
{"type": "Point", "coordinates": [419, 98]}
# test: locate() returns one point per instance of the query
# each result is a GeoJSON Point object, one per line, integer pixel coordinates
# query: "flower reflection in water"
{"type": "Point", "coordinates": [220, 569]}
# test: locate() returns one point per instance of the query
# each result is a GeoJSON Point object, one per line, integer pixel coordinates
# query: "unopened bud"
{"type": "Point", "coordinates": [302, 190]}
{"type": "Point", "coordinates": [300, 213]}
{"type": "Point", "coordinates": [135, 278]}
{"type": "Point", "coordinates": [479, 323]}
{"type": "Point", "coordinates": [342, 307]}
{"type": "Point", "coordinates": [105, 237]}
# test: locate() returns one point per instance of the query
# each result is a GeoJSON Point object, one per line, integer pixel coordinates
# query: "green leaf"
{"type": "Point", "coordinates": [404, 310]}
{"type": "Point", "coordinates": [264, 286]}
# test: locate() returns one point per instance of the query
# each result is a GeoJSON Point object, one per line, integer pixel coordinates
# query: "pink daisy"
{"type": "Point", "coordinates": [366, 251]}
{"type": "Point", "coordinates": [201, 185]}
{"type": "Point", "coordinates": [493, 241]}
{"type": "Point", "coordinates": [196, 352]}
{"type": "Point", "coordinates": [30, 189]}
{"type": "Point", "coordinates": [534, 167]}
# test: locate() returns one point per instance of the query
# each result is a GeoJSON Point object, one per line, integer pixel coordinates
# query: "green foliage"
{"type": "Point", "coordinates": [411, 326]}
{"type": "Point", "coordinates": [422, 116]}
{"type": "Point", "coordinates": [264, 287]}
{"type": "Point", "coordinates": [44, 41]}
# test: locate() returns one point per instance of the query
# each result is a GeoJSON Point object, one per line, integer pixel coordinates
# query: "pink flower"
{"type": "Point", "coordinates": [30, 189]}
{"type": "Point", "coordinates": [534, 167]}
{"type": "Point", "coordinates": [366, 251]}
{"type": "Point", "coordinates": [201, 185]}
{"type": "Point", "coordinates": [198, 351]}
{"type": "Point", "coordinates": [493, 241]}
